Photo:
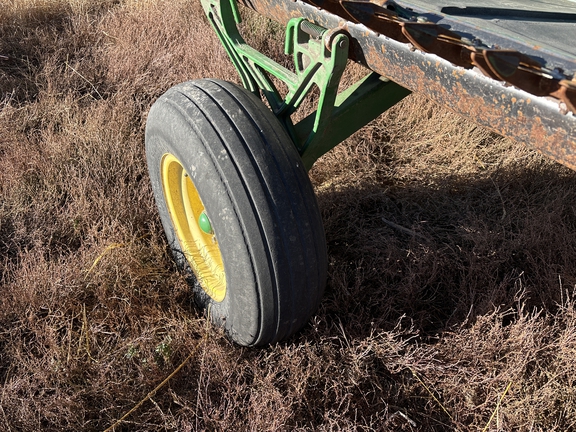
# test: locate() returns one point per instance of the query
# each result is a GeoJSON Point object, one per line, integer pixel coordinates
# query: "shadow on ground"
{"type": "Point", "coordinates": [442, 254]}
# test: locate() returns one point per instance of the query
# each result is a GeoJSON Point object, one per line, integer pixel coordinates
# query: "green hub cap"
{"type": "Point", "coordinates": [205, 224]}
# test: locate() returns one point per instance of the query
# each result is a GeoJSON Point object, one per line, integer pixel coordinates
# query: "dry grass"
{"type": "Point", "coordinates": [450, 301]}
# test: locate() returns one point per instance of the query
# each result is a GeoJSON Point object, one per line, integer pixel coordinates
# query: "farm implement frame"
{"type": "Point", "coordinates": [230, 174]}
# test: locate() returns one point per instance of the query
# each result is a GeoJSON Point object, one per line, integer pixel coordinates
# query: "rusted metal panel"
{"type": "Point", "coordinates": [541, 122]}
{"type": "Point", "coordinates": [544, 30]}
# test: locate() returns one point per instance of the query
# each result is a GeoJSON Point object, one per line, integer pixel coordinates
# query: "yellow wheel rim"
{"type": "Point", "coordinates": [193, 228]}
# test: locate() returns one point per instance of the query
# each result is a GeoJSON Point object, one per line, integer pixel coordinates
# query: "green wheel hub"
{"type": "Point", "coordinates": [204, 224]}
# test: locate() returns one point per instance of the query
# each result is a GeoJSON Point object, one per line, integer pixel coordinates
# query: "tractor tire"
{"type": "Point", "coordinates": [238, 209]}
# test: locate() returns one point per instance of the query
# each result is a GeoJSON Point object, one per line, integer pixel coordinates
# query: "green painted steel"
{"type": "Point", "coordinates": [204, 223]}
{"type": "Point", "coordinates": [320, 57]}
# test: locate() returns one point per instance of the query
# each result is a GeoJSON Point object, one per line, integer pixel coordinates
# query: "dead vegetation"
{"type": "Point", "coordinates": [450, 301]}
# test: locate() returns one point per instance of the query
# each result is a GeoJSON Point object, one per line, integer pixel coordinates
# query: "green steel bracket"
{"type": "Point", "coordinates": [320, 57]}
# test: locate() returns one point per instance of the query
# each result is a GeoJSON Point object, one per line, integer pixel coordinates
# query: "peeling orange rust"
{"type": "Point", "coordinates": [533, 120]}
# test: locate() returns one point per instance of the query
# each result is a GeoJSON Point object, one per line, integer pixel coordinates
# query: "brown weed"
{"type": "Point", "coordinates": [449, 304]}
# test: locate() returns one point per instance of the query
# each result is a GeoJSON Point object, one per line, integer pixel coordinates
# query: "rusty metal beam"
{"type": "Point", "coordinates": [538, 122]}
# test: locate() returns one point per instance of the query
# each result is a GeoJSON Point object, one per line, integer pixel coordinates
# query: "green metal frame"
{"type": "Point", "coordinates": [320, 57]}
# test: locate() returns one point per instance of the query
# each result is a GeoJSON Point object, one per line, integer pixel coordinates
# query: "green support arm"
{"type": "Point", "coordinates": [320, 57]}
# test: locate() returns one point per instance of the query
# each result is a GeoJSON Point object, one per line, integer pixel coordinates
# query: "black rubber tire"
{"type": "Point", "coordinates": [260, 202]}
